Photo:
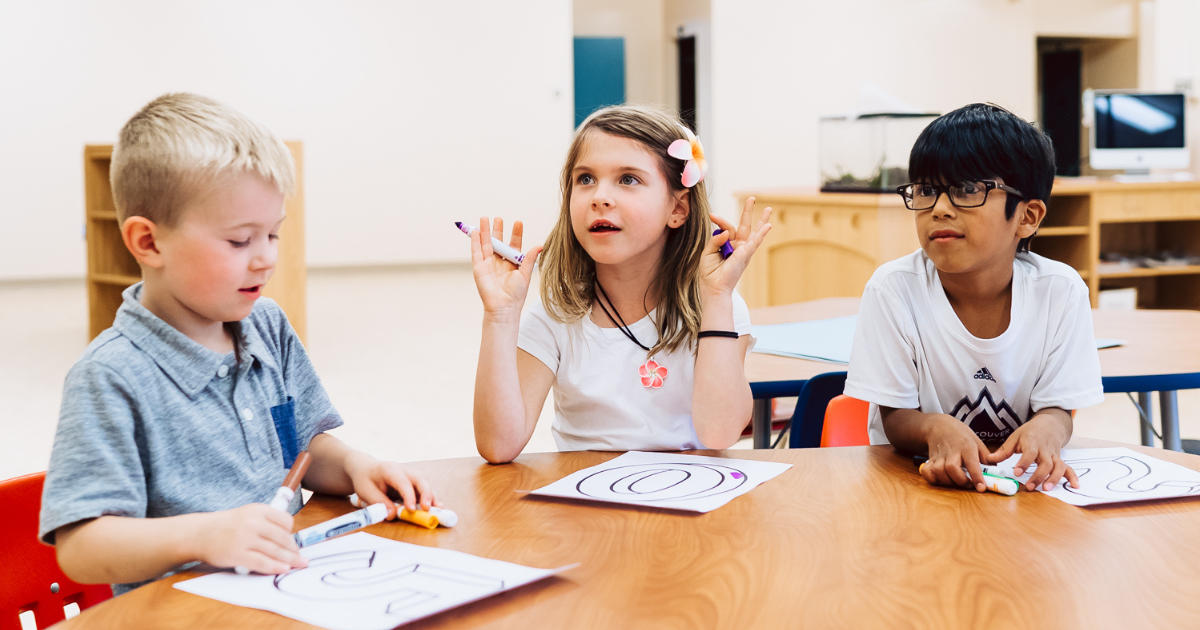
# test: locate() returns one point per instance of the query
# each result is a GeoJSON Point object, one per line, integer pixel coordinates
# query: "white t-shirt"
{"type": "Point", "coordinates": [599, 400]}
{"type": "Point", "coordinates": [912, 352]}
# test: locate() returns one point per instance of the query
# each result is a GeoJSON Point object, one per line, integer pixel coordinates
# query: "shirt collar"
{"type": "Point", "coordinates": [190, 365]}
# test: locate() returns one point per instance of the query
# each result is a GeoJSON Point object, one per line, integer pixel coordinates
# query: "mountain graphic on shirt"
{"type": "Point", "coordinates": [993, 422]}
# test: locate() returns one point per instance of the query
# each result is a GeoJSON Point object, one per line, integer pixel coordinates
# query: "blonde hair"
{"type": "Point", "coordinates": [568, 283]}
{"type": "Point", "coordinates": [179, 143]}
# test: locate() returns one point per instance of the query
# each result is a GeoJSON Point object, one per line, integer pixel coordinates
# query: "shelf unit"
{"type": "Point", "coordinates": [1087, 217]}
{"type": "Point", "coordinates": [111, 268]}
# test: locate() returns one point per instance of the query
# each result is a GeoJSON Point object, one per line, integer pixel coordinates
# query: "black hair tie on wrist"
{"type": "Point", "coordinates": [728, 334]}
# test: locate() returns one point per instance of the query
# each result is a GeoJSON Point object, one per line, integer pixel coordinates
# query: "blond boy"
{"type": "Point", "coordinates": [180, 421]}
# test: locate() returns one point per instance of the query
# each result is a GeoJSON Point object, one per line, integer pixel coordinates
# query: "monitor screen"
{"type": "Point", "coordinates": [1139, 121]}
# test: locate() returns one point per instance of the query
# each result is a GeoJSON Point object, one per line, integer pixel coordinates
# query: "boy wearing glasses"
{"type": "Point", "coordinates": [972, 343]}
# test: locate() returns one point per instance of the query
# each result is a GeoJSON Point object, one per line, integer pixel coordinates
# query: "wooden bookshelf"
{"type": "Point", "coordinates": [1088, 217]}
{"type": "Point", "coordinates": [111, 268]}
{"type": "Point", "coordinates": [829, 244]}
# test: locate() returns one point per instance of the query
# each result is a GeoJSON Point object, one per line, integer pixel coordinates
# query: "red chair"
{"type": "Point", "coordinates": [30, 579]}
{"type": "Point", "coordinates": [845, 422]}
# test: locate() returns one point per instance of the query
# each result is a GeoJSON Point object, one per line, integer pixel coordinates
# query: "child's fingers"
{"type": "Point", "coordinates": [746, 219]}
{"type": "Point", "coordinates": [722, 223]}
{"type": "Point", "coordinates": [1072, 477]}
{"type": "Point", "coordinates": [485, 238]}
{"type": "Point", "coordinates": [1044, 467]}
{"type": "Point", "coordinates": [498, 229]}
{"type": "Point", "coordinates": [370, 495]}
{"type": "Point", "coordinates": [765, 218]}
{"type": "Point", "coordinates": [1005, 451]}
{"type": "Point", "coordinates": [397, 479]}
{"type": "Point", "coordinates": [424, 490]}
{"type": "Point", "coordinates": [715, 243]}
{"type": "Point", "coordinates": [926, 471]}
{"type": "Point", "coordinates": [530, 260]}
{"type": "Point", "coordinates": [517, 232]}
{"type": "Point", "coordinates": [975, 472]}
{"type": "Point", "coordinates": [476, 248]}
{"type": "Point", "coordinates": [954, 468]}
{"type": "Point", "coordinates": [1058, 469]}
{"type": "Point", "coordinates": [265, 564]}
{"type": "Point", "coordinates": [1028, 457]}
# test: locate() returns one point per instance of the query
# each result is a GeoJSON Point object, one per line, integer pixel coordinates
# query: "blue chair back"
{"type": "Point", "coordinates": [809, 417]}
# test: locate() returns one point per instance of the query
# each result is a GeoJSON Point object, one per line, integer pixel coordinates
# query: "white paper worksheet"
{"type": "Point", "coordinates": [665, 480]}
{"type": "Point", "coordinates": [364, 582]}
{"type": "Point", "coordinates": [1117, 475]}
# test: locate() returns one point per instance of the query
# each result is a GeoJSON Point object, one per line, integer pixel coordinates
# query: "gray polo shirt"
{"type": "Point", "coordinates": [154, 424]}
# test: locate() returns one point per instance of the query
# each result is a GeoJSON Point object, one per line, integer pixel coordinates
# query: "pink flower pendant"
{"type": "Point", "coordinates": [652, 374]}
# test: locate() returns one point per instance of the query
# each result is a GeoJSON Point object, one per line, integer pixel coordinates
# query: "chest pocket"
{"type": "Point", "coordinates": [285, 427]}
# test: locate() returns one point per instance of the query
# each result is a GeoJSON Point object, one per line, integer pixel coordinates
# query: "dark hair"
{"type": "Point", "coordinates": [982, 141]}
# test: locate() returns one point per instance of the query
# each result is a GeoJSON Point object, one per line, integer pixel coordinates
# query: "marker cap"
{"type": "Point", "coordinates": [446, 518]}
{"type": "Point", "coordinates": [376, 513]}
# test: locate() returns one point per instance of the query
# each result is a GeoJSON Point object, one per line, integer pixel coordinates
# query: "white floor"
{"type": "Point", "coordinates": [396, 350]}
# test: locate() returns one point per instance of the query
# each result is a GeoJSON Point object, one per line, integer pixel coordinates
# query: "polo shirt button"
{"type": "Point", "coordinates": [247, 414]}
{"type": "Point", "coordinates": [223, 371]}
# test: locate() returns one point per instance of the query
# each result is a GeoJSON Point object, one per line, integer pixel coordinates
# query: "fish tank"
{"type": "Point", "coordinates": [867, 153]}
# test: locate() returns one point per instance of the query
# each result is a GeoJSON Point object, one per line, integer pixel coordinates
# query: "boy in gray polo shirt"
{"type": "Point", "coordinates": [179, 422]}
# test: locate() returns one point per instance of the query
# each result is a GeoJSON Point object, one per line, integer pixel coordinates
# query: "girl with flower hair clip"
{"type": "Point", "coordinates": [639, 330]}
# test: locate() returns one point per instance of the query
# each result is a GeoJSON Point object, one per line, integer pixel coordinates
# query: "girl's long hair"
{"type": "Point", "coordinates": [568, 273]}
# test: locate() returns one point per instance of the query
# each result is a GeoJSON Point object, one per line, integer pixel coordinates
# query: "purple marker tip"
{"type": "Point", "coordinates": [726, 249]}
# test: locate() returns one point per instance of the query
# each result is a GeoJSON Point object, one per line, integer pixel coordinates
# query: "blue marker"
{"type": "Point", "coordinates": [343, 524]}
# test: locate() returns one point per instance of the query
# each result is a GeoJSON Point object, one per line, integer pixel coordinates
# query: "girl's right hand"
{"type": "Point", "coordinates": [502, 285]}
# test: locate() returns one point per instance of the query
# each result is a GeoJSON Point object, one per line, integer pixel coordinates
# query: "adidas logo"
{"type": "Point", "coordinates": [984, 375]}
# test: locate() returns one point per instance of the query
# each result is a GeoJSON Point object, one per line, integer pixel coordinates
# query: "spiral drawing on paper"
{"type": "Point", "coordinates": [661, 482]}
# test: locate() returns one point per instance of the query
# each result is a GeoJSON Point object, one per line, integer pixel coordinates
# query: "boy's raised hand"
{"type": "Point", "coordinates": [255, 536]}
{"type": "Point", "coordinates": [502, 285]}
{"type": "Point", "coordinates": [720, 275]}
{"type": "Point", "coordinates": [1040, 441]}
{"type": "Point", "coordinates": [952, 447]}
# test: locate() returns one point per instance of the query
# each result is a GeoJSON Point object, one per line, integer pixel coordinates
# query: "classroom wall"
{"type": "Point", "coordinates": [413, 114]}
{"type": "Point", "coordinates": [640, 22]}
{"type": "Point", "coordinates": [779, 65]}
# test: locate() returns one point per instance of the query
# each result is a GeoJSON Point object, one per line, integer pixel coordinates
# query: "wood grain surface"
{"type": "Point", "coordinates": [1157, 342]}
{"type": "Point", "coordinates": [847, 538]}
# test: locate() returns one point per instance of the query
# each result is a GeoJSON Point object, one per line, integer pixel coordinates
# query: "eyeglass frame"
{"type": "Point", "coordinates": [988, 186]}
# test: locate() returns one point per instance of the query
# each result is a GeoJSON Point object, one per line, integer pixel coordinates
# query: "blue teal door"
{"type": "Point", "coordinates": [599, 74]}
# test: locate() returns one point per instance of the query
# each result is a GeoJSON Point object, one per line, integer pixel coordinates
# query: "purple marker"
{"type": "Point", "coordinates": [504, 251]}
{"type": "Point", "coordinates": [726, 249]}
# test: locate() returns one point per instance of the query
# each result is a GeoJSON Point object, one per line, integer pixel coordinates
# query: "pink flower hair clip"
{"type": "Point", "coordinates": [692, 152]}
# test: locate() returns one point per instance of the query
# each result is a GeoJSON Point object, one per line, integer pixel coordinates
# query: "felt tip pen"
{"type": "Point", "coordinates": [430, 519]}
{"type": "Point", "coordinates": [1000, 485]}
{"type": "Point", "coordinates": [286, 492]}
{"type": "Point", "coordinates": [726, 248]}
{"type": "Point", "coordinates": [987, 469]}
{"type": "Point", "coordinates": [343, 524]}
{"type": "Point", "coordinates": [504, 251]}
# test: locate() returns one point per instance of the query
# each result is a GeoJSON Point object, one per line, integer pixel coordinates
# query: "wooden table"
{"type": "Point", "coordinates": [847, 538]}
{"type": "Point", "coordinates": [1161, 354]}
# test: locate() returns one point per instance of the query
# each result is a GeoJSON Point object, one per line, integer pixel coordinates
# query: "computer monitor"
{"type": "Point", "coordinates": [1136, 131]}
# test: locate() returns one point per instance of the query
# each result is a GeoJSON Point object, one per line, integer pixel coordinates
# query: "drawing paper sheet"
{"type": "Point", "coordinates": [826, 340]}
{"type": "Point", "coordinates": [364, 582]}
{"type": "Point", "coordinates": [1117, 475]}
{"type": "Point", "coordinates": [665, 480]}
{"type": "Point", "coordinates": [819, 339]}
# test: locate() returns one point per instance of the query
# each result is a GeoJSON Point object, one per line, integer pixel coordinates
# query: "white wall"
{"type": "Point", "coordinates": [413, 114]}
{"type": "Point", "coordinates": [778, 65]}
{"type": "Point", "coordinates": [640, 22]}
{"type": "Point", "coordinates": [1171, 58]}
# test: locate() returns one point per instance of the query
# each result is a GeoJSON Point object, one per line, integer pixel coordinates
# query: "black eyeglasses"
{"type": "Point", "coordinates": [961, 195]}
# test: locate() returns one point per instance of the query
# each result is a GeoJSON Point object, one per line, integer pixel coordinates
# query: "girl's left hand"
{"type": "Point", "coordinates": [720, 275]}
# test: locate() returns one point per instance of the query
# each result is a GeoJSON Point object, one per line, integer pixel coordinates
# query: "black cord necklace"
{"type": "Point", "coordinates": [618, 320]}
{"type": "Point", "coordinates": [651, 373]}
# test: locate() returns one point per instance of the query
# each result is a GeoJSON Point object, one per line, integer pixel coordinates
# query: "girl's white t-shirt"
{"type": "Point", "coordinates": [912, 352]}
{"type": "Point", "coordinates": [599, 400]}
